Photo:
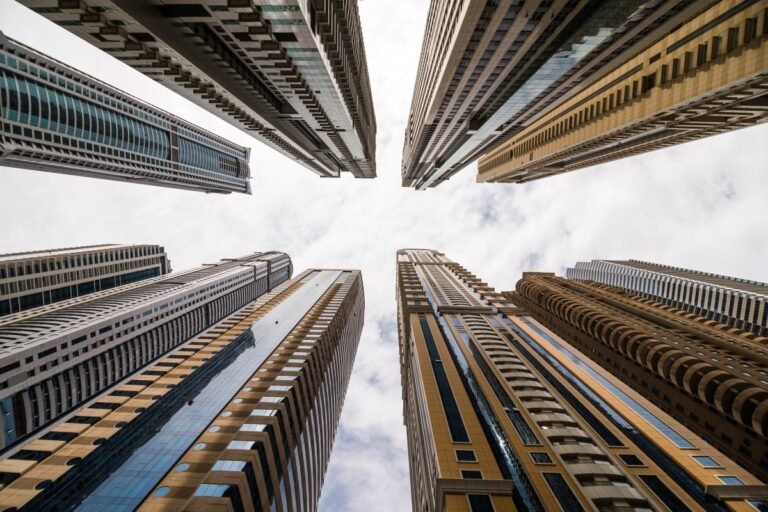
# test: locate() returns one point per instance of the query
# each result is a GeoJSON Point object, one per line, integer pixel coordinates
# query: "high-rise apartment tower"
{"type": "Point", "coordinates": [291, 73]}
{"type": "Point", "coordinates": [54, 358]}
{"type": "Point", "coordinates": [502, 414]}
{"type": "Point", "coordinates": [727, 300]}
{"type": "Point", "coordinates": [704, 77]}
{"type": "Point", "coordinates": [240, 418]}
{"type": "Point", "coordinates": [38, 278]}
{"type": "Point", "coordinates": [708, 376]}
{"type": "Point", "coordinates": [54, 118]}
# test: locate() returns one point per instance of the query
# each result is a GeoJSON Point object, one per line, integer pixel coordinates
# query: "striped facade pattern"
{"type": "Point", "coordinates": [503, 415]}
{"type": "Point", "coordinates": [710, 377]}
{"type": "Point", "coordinates": [299, 391]}
{"type": "Point", "coordinates": [54, 358]}
{"type": "Point", "coordinates": [54, 118]}
{"type": "Point", "coordinates": [38, 278]}
{"type": "Point", "coordinates": [291, 73]}
{"type": "Point", "coordinates": [490, 69]}
{"type": "Point", "coordinates": [727, 300]}
{"type": "Point", "coordinates": [705, 77]}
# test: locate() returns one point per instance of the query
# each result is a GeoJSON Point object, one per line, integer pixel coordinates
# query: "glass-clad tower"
{"type": "Point", "coordinates": [37, 278]}
{"type": "Point", "coordinates": [488, 69]}
{"type": "Point", "coordinates": [727, 300]}
{"type": "Point", "coordinates": [291, 73]}
{"type": "Point", "coordinates": [242, 417]}
{"type": "Point", "coordinates": [56, 357]}
{"type": "Point", "coordinates": [54, 118]}
{"type": "Point", "coordinates": [708, 376]}
{"type": "Point", "coordinates": [503, 414]}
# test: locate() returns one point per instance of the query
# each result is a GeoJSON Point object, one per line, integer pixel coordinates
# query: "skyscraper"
{"type": "Point", "coordinates": [727, 300]}
{"type": "Point", "coordinates": [38, 278]}
{"type": "Point", "coordinates": [708, 376]}
{"type": "Point", "coordinates": [54, 118]}
{"type": "Point", "coordinates": [707, 76]}
{"type": "Point", "coordinates": [291, 73]}
{"type": "Point", "coordinates": [502, 414]}
{"type": "Point", "coordinates": [240, 418]}
{"type": "Point", "coordinates": [56, 357]}
{"type": "Point", "coordinates": [490, 69]}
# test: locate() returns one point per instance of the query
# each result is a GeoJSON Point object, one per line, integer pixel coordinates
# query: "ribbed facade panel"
{"type": "Point", "coordinates": [292, 74]}
{"type": "Point", "coordinates": [39, 278]}
{"type": "Point", "coordinates": [54, 358]}
{"type": "Point", "coordinates": [242, 417]}
{"type": "Point", "coordinates": [502, 414]}
{"type": "Point", "coordinates": [54, 118]}
{"type": "Point", "coordinates": [727, 300]}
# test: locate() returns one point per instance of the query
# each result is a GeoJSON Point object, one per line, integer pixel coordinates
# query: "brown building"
{"type": "Point", "coordinates": [241, 417]}
{"type": "Point", "coordinates": [293, 74]}
{"type": "Point", "coordinates": [708, 376]}
{"type": "Point", "coordinates": [708, 75]}
{"type": "Point", "coordinates": [491, 70]}
{"type": "Point", "coordinates": [502, 414]}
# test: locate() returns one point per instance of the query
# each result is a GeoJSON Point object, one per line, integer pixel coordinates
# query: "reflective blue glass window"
{"type": "Point", "coordinates": [707, 462]}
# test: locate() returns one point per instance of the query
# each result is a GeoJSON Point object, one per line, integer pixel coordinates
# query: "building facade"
{"type": "Point", "coordinates": [32, 279]}
{"type": "Point", "coordinates": [727, 300]}
{"type": "Point", "coordinates": [55, 357]}
{"type": "Point", "coordinates": [292, 74]}
{"type": "Point", "coordinates": [708, 376]}
{"type": "Point", "coordinates": [490, 69]}
{"type": "Point", "coordinates": [240, 418]}
{"type": "Point", "coordinates": [56, 119]}
{"type": "Point", "coordinates": [707, 76]}
{"type": "Point", "coordinates": [502, 414]}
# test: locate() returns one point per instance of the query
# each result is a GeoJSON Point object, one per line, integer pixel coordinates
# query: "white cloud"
{"type": "Point", "coordinates": [700, 205]}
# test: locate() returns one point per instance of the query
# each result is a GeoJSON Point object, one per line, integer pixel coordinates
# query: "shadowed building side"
{"type": "Point", "coordinates": [54, 118]}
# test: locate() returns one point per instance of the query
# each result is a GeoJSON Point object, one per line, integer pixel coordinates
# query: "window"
{"type": "Point", "coordinates": [480, 503]}
{"type": "Point", "coordinates": [541, 458]}
{"type": "Point", "coordinates": [631, 460]}
{"type": "Point", "coordinates": [666, 495]}
{"type": "Point", "coordinates": [707, 462]}
{"type": "Point", "coordinates": [730, 480]}
{"type": "Point", "coordinates": [472, 475]}
{"type": "Point", "coordinates": [466, 456]}
{"type": "Point", "coordinates": [563, 493]}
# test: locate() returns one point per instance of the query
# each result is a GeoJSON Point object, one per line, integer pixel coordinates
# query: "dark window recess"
{"type": "Point", "coordinates": [83, 419]}
{"type": "Point", "coordinates": [541, 458]}
{"type": "Point", "coordinates": [480, 503]}
{"type": "Point", "coordinates": [59, 436]}
{"type": "Point", "coordinates": [631, 460]}
{"type": "Point", "coordinates": [104, 405]}
{"type": "Point", "coordinates": [30, 455]}
{"type": "Point", "coordinates": [563, 492]}
{"type": "Point", "coordinates": [472, 475]}
{"type": "Point", "coordinates": [46, 353]}
{"type": "Point", "coordinates": [669, 498]}
{"type": "Point", "coordinates": [452, 413]}
{"type": "Point", "coordinates": [9, 367]}
{"type": "Point", "coordinates": [466, 456]}
{"type": "Point", "coordinates": [143, 37]}
{"type": "Point", "coordinates": [183, 11]}
{"type": "Point", "coordinates": [79, 340]}
{"type": "Point", "coordinates": [285, 37]}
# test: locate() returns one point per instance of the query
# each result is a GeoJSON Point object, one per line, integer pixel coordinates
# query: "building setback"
{"type": "Point", "coordinates": [241, 418]}
{"type": "Point", "coordinates": [56, 119]}
{"type": "Point", "coordinates": [707, 76]}
{"type": "Point", "coordinates": [55, 357]}
{"type": "Point", "coordinates": [708, 376]}
{"type": "Point", "coordinates": [502, 414]}
{"type": "Point", "coordinates": [727, 300]}
{"type": "Point", "coordinates": [489, 69]}
{"type": "Point", "coordinates": [38, 278]}
{"type": "Point", "coordinates": [291, 73]}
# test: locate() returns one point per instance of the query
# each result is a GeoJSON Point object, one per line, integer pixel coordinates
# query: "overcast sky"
{"type": "Point", "coordinates": [701, 205]}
